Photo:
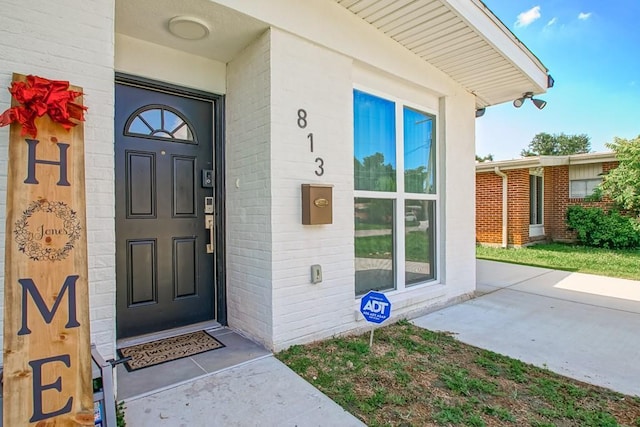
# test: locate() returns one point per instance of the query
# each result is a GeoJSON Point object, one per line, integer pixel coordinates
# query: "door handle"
{"type": "Point", "coordinates": [208, 224]}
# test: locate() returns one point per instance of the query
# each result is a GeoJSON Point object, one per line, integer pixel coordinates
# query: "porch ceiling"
{"type": "Point", "coordinates": [464, 39]}
{"type": "Point", "coordinates": [230, 31]}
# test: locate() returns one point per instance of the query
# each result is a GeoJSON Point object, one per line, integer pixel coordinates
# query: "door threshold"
{"type": "Point", "coordinates": [154, 336]}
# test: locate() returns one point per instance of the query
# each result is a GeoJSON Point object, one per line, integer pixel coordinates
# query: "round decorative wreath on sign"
{"type": "Point", "coordinates": [35, 250]}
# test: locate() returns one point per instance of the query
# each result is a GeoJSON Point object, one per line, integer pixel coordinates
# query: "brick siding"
{"type": "Point", "coordinates": [489, 207]}
{"type": "Point", "coordinates": [556, 201]}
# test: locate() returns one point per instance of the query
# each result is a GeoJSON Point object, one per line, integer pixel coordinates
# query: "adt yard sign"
{"type": "Point", "coordinates": [375, 307]}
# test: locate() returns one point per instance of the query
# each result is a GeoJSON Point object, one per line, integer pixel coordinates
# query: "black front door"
{"type": "Point", "coordinates": [164, 250]}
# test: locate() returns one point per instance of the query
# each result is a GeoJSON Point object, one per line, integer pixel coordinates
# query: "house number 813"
{"type": "Point", "coordinates": [302, 123]}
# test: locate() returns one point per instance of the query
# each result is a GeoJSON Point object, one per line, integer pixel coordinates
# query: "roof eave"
{"type": "Point", "coordinates": [547, 161]}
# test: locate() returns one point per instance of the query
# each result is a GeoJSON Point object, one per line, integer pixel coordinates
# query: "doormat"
{"type": "Point", "coordinates": [168, 349]}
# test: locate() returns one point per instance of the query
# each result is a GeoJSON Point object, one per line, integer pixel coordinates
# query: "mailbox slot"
{"type": "Point", "coordinates": [317, 204]}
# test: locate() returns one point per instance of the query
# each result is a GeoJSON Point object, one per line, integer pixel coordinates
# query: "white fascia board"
{"type": "Point", "coordinates": [480, 17]}
{"type": "Point", "coordinates": [536, 161]}
{"type": "Point", "coordinates": [524, 163]}
{"type": "Point", "coordinates": [584, 159]}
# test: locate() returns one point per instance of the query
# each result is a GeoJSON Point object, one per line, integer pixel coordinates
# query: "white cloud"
{"type": "Point", "coordinates": [553, 21]}
{"type": "Point", "coordinates": [584, 16]}
{"type": "Point", "coordinates": [527, 17]}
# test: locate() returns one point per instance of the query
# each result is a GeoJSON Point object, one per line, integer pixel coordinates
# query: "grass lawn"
{"type": "Point", "coordinates": [416, 246]}
{"type": "Point", "coordinates": [604, 262]}
{"type": "Point", "coordinates": [414, 377]}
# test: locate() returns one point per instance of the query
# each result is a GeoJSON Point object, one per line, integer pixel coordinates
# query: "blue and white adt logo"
{"type": "Point", "coordinates": [375, 307]}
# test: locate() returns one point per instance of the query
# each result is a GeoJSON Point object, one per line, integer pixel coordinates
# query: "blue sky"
{"type": "Point", "coordinates": [592, 50]}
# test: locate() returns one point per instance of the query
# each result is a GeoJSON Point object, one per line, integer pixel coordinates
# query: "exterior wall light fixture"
{"type": "Point", "coordinates": [539, 103]}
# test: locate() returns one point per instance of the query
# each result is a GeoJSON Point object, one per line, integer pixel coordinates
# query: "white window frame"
{"type": "Point", "coordinates": [399, 196]}
{"type": "Point", "coordinates": [536, 230]}
{"type": "Point", "coordinates": [586, 192]}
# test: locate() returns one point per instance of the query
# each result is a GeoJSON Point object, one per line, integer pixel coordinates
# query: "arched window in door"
{"type": "Point", "coordinates": [160, 122]}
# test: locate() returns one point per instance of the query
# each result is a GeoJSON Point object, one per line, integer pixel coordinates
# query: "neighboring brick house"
{"type": "Point", "coordinates": [538, 192]}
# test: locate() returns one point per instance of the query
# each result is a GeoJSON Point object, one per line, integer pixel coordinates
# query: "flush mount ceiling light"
{"type": "Point", "coordinates": [539, 103]}
{"type": "Point", "coordinates": [188, 28]}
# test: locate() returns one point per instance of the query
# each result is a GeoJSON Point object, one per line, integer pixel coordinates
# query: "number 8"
{"type": "Point", "coordinates": [302, 118]}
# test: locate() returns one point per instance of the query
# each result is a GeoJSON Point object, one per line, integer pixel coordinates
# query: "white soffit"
{"type": "Point", "coordinates": [464, 39]}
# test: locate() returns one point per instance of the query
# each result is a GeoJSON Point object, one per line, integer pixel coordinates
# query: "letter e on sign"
{"type": "Point", "coordinates": [375, 307]}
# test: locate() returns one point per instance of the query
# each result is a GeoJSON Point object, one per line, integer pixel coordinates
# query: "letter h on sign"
{"type": "Point", "coordinates": [31, 162]}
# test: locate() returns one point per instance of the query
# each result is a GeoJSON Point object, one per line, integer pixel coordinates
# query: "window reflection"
{"type": "Point", "coordinates": [138, 126]}
{"type": "Point", "coordinates": [400, 220]}
{"type": "Point", "coordinates": [374, 143]}
{"type": "Point", "coordinates": [419, 241]}
{"type": "Point", "coordinates": [374, 239]}
{"type": "Point", "coordinates": [419, 152]}
{"type": "Point", "coordinates": [153, 118]}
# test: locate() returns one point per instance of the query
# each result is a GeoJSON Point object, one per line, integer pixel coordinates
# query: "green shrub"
{"type": "Point", "coordinates": [611, 230]}
{"type": "Point", "coordinates": [120, 421]}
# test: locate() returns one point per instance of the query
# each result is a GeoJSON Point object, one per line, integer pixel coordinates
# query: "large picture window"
{"type": "Point", "coordinates": [396, 194]}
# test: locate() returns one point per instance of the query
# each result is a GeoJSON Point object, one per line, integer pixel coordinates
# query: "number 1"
{"type": "Point", "coordinates": [310, 136]}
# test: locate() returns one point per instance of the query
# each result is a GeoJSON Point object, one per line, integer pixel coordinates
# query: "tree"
{"type": "Point", "coordinates": [544, 144]}
{"type": "Point", "coordinates": [487, 158]}
{"type": "Point", "coordinates": [622, 184]}
{"type": "Point", "coordinates": [373, 174]}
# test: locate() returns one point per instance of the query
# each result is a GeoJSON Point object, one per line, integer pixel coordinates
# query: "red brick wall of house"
{"type": "Point", "coordinates": [556, 199]}
{"type": "Point", "coordinates": [558, 194]}
{"type": "Point", "coordinates": [489, 207]}
{"type": "Point", "coordinates": [518, 206]}
{"type": "Point", "coordinates": [556, 202]}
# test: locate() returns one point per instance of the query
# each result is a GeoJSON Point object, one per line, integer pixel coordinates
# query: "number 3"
{"type": "Point", "coordinates": [320, 170]}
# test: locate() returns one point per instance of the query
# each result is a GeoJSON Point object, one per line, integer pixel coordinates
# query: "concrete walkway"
{"type": "Point", "coordinates": [579, 325]}
{"type": "Point", "coordinates": [263, 392]}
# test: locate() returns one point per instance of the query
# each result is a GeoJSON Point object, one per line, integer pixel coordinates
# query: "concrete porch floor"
{"type": "Point", "coordinates": [237, 350]}
{"type": "Point", "coordinates": [241, 384]}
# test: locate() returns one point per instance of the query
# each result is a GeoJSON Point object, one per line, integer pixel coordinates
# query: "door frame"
{"type": "Point", "coordinates": [219, 175]}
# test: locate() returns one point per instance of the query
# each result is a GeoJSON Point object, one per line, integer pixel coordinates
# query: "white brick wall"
{"type": "Point", "coordinates": [71, 40]}
{"type": "Point", "coordinates": [458, 214]}
{"type": "Point", "coordinates": [248, 157]}
{"type": "Point", "coordinates": [319, 81]}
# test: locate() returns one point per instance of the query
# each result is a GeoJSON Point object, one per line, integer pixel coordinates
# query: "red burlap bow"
{"type": "Point", "coordinates": [38, 96]}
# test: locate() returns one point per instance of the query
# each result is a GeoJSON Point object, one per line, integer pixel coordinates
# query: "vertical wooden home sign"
{"type": "Point", "coordinates": [47, 355]}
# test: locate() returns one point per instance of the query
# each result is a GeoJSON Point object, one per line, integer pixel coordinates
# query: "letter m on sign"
{"type": "Point", "coordinates": [30, 288]}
